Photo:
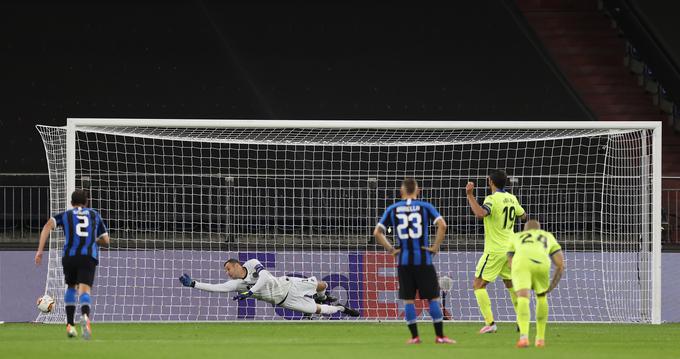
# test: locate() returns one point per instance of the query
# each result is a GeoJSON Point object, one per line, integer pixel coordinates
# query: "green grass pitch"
{"type": "Point", "coordinates": [250, 340]}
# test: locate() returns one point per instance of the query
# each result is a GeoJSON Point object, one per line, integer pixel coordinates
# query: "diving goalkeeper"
{"type": "Point", "coordinates": [251, 279]}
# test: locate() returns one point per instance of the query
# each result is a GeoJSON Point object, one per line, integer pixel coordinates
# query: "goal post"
{"type": "Point", "coordinates": [303, 197]}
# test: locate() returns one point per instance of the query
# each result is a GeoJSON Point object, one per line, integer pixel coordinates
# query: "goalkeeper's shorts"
{"type": "Point", "coordinates": [301, 295]}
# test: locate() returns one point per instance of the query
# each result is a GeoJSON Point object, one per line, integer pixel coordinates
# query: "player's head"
{"type": "Point", "coordinates": [409, 187]}
{"type": "Point", "coordinates": [498, 178]}
{"type": "Point", "coordinates": [532, 224]}
{"type": "Point", "coordinates": [79, 198]}
{"type": "Point", "coordinates": [234, 269]}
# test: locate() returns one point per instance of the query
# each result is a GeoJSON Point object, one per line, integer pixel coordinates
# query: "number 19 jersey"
{"type": "Point", "coordinates": [411, 221]}
{"type": "Point", "coordinates": [502, 208]}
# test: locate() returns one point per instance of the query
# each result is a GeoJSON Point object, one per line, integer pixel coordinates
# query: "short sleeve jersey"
{"type": "Point", "coordinates": [82, 227]}
{"type": "Point", "coordinates": [411, 220]}
{"type": "Point", "coordinates": [534, 245]}
{"type": "Point", "coordinates": [503, 208]}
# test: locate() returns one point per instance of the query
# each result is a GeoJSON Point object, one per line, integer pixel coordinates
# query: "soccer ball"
{"type": "Point", "coordinates": [45, 303]}
{"type": "Point", "coordinates": [445, 283]}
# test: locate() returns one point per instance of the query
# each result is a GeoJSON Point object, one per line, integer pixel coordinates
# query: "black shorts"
{"type": "Point", "coordinates": [79, 269]}
{"type": "Point", "coordinates": [422, 279]}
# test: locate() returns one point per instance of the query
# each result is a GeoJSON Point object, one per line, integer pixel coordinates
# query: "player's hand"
{"type": "Point", "coordinates": [431, 249]}
{"type": "Point", "coordinates": [186, 280]}
{"type": "Point", "coordinates": [395, 251]}
{"type": "Point", "coordinates": [469, 188]}
{"type": "Point", "coordinates": [243, 295]}
{"type": "Point", "coordinates": [38, 258]}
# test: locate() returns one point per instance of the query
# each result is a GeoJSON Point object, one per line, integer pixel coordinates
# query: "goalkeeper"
{"type": "Point", "coordinates": [251, 279]}
{"type": "Point", "coordinates": [529, 255]}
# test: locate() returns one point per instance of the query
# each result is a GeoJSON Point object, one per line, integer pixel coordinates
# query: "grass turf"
{"type": "Point", "coordinates": [333, 340]}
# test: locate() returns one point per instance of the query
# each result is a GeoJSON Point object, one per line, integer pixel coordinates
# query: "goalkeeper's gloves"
{"type": "Point", "coordinates": [186, 281]}
{"type": "Point", "coordinates": [243, 295]}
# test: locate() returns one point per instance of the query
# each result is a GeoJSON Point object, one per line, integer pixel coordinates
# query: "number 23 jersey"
{"type": "Point", "coordinates": [411, 221]}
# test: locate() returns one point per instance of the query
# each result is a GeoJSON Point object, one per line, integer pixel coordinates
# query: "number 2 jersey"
{"type": "Point", "coordinates": [503, 207]}
{"type": "Point", "coordinates": [82, 227]}
{"type": "Point", "coordinates": [411, 220]}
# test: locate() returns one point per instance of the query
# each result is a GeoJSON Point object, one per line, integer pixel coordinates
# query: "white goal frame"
{"type": "Point", "coordinates": [73, 125]}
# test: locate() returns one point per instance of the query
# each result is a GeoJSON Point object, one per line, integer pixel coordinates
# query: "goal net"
{"type": "Point", "coordinates": [183, 196]}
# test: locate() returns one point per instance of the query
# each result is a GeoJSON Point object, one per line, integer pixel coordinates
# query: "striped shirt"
{"type": "Point", "coordinates": [82, 227]}
{"type": "Point", "coordinates": [412, 221]}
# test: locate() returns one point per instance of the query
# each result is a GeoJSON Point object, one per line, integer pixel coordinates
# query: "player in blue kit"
{"type": "Point", "coordinates": [84, 232]}
{"type": "Point", "coordinates": [411, 219]}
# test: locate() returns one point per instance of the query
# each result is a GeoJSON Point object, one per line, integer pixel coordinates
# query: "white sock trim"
{"type": "Point", "coordinates": [331, 309]}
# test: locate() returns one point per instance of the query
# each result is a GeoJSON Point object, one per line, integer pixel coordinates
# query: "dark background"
{"type": "Point", "coordinates": [472, 61]}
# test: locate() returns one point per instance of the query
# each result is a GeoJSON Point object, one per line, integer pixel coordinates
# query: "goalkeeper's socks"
{"type": "Point", "coordinates": [484, 303]}
{"type": "Point", "coordinates": [85, 303]}
{"type": "Point", "coordinates": [411, 319]}
{"type": "Point", "coordinates": [330, 309]}
{"type": "Point", "coordinates": [523, 315]}
{"type": "Point", "coordinates": [437, 317]}
{"type": "Point", "coordinates": [70, 300]}
{"type": "Point", "coordinates": [541, 316]}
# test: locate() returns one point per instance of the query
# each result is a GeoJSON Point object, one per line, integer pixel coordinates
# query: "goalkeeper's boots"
{"type": "Point", "coordinates": [349, 311]}
{"type": "Point", "coordinates": [444, 340]}
{"type": "Point", "coordinates": [71, 331]}
{"type": "Point", "coordinates": [415, 340]}
{"type": "Point", "coordinates": [85, 327]}
{"type": "Point", "coordinates": [540, 343]}
{"type": "Point", "coordinates": [488, 329]}
{"type": "Point", "coordinates": [523, 342]}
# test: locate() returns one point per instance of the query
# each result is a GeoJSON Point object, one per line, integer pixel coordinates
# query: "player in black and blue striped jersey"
{"type": "Point", "coordinates": [411, 219]}
{"type": "Point", "coordinates": [84, 232]}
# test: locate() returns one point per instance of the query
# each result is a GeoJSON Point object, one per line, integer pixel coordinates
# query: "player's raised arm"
{"type": "Point", "coordinates": [44, 234]}
{"type": "Point", "coordinates": [479, 211]}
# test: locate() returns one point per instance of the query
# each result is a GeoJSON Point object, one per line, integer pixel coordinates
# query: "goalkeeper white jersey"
{"type": "Point", "coordinates": [263, 284]}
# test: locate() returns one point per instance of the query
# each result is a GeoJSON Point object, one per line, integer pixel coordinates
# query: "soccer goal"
{"type": "Point", "coordinates": [304, 196]}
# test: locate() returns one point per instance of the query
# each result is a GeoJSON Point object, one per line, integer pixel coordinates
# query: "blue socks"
{"type": "Point", "coordinates": [437, 317]}
{"type": "Point", "coordinates": [410, 313]}
{"type": "Point", "coordinates": [70, 296]}
{"type": "Point", "coordinates": [85, 302]}
{"type": "Point", "coordinates": [411, 319]}
{"type": "Point", "coordinates": [436, 311]}
{"type": "Point", "coordinates": [70, 300]}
